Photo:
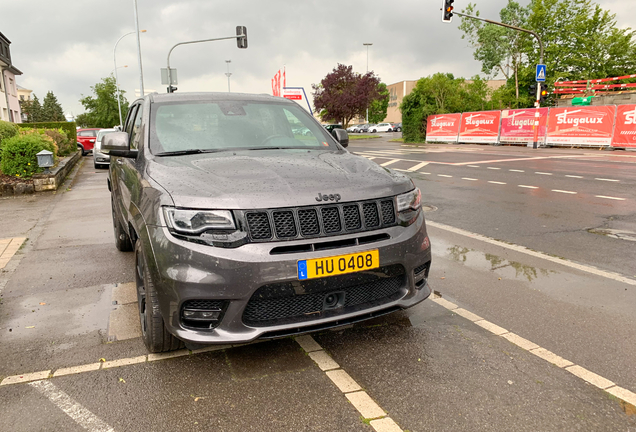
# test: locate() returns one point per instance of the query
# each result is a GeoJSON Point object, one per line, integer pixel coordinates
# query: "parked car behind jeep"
{"type": "Point", "coordinates": [242, 229]}
{"type": "Point", "coordinates": [86, 139]}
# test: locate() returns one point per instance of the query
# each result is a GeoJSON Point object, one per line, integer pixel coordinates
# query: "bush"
{"type": "Point", "coordinates": [43, 134]}
{"type": "Point", "coordinates": [7, 130]}
{"type": "Point", "coordinates": [69, 127]}
{"type": "Point", "coordinates": [64, 145]}
{"type": "Point", "coordinates": [18, 154]}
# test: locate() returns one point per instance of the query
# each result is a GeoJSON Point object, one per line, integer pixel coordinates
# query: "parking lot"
{"type": "Point", "coordinates": [530, 327]}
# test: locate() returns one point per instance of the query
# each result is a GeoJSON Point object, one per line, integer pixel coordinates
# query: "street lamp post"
{"type": "Point", "coordinates": [366, 44]}
{"type": "Point", "coordinates": [116, 77]}
{"type": "Point", "coordinates": [228, 74]}
{"type": "Point", "coordinates": [141, 70]}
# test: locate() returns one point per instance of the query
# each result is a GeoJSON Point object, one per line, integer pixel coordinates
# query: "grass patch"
{"type": "Point", "coordinates": [359, 137]}
{"type": "Point", "coordinates": [397, 140]}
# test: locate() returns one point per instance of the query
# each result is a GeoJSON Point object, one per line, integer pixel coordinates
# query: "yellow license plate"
{"type": "Point", "coordinates": [337, 265]}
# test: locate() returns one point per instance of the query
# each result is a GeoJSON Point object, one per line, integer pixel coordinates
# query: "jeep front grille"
{"type": "Point", "coordinates": [319, 221]}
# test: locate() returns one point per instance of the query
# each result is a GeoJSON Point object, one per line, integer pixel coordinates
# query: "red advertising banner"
{"type": "Point", "coordinates": [625, 129]}
{"type": "Point", "coordinates": [590, 125]}
{"type": "Point", "coordinates": [517, 126]}
{"type": "Point", "coordinates": [480, 127]}
{"type": "Point", "coordinates": [443, 127]}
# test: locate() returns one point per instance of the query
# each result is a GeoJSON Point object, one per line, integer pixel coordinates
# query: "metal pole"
{"type": "Point", "coordinates": [228, 74]}
{"type": "Point", "coordinates": [538, 96]}
{"type": "Point", "coordinates": [191, 42]}
{"type": "Point", "coordinates": [367, 45]}
{"type": "Point", "coordinates": [141, 70]}
{"type": "Point", "coordinates": [116, 76]}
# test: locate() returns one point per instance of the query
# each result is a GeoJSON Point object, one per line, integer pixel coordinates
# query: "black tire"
{"type": "Point", "coordinates": [122, 239]}
{"type": "Point", "coordinates": [79, 147]}
{"type": "Point", "coordinates": [96, 165]}
{"type": "Point", "coordinates": [153, 330]}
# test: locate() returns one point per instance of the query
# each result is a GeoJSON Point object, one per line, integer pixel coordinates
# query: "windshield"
{"type": "Point", "coordinates": [101, 133]}
{"type": "Point", "coordinates": [223, 125]}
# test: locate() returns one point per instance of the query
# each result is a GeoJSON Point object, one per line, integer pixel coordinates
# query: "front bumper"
{"type": "Point", "coordinates": [101, 158]}
{"type": "Point", "coordinates": [184, 271]}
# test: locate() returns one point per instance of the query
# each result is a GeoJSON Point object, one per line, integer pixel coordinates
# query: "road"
{"type": "Point", "coordinates": [531, 327]}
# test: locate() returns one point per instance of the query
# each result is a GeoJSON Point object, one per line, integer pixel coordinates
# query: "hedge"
{"type": "Point", "coordinates": [7, 130]}
{"type": "Point", "coordinates": [69, 127]}
{"type": "Point", "coordinates": [19, 154]}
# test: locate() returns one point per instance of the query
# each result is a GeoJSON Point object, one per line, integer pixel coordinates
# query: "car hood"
{"type": "Point", "coordinates": [272, 178]}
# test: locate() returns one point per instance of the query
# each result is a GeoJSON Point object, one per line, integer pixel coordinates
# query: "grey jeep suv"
{"type": "Point", "coordinates": [244, 229]}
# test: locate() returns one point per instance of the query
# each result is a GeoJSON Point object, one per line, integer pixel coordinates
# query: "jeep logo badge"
{"type": "Point", "coordinates": [330, 197]}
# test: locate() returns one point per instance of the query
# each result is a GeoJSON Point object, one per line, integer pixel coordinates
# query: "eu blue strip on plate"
{"type": "Point", "coordinates": [302, 269]}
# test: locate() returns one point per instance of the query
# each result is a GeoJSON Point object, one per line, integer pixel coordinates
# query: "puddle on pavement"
{"type": "Point", "coordinates": [485, 261]}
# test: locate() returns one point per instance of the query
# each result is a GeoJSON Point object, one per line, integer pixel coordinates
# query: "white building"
{"type": "Point", "coordinates": [9, 101]}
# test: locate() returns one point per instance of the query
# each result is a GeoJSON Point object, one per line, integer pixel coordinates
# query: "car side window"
{"type": "Point", "coordinates": [84, 133]}
{"type": "Point", "coordinates": [135, 134]}
{"type": "Point", "coordinates": [129, 119]}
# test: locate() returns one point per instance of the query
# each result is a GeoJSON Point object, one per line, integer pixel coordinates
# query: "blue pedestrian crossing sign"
{"type": "Point", "coordinates": [541, 72]}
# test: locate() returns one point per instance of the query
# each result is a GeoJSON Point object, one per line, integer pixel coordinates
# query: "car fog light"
{"type": "Point", "coordinates": [201, 315]}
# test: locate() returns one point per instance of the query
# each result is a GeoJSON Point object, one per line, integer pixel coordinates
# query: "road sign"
{"type": "Point", "coordinates": [173, 76]}
{"type": "Point", "coordinates": [541, 73]}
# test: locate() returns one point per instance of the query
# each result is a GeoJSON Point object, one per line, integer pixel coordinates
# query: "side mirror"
{"type": "Point", "coordinates": [341, 136]}
{"type": "Point", "coordinates": [116, 144]}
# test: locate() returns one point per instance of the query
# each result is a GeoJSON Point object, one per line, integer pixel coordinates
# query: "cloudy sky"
{"type": "Point", "coordinates": [66, 46]}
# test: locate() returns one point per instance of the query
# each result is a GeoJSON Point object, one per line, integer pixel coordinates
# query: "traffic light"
{"type": "Point", "coordinates": [544, 92]}
{"type": "Point", "coordinates": [241, 39]}
{"type": "Point", "coordinates": [447, 11]}
{"type": "Point", "coordinates": [532, 90]}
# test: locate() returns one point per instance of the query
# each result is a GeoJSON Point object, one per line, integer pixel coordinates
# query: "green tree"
{"type": "Point", "coordinates": [438, 94]}
{"type": "Point", "coordinates": [51, 109]}
{"type": "Point", "coordinates": [379, 107]}
{"type": "Point", "coordinates": [101, 109]}
{"type": "Point", "coordinates": [581, 42]}
{"type": "Point", "coordinates": [33, 110]}
{"type": "Point", "coordinates": [499, 49]}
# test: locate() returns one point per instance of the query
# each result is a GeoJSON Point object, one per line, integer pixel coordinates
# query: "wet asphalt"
{"type": "Point", "coordinates": [428, 367]}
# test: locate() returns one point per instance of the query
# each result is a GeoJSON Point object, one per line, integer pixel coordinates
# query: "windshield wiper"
{"type": "Point", "coordinates": [186, 152]}
{"type": "Point", "coordinates": [279, 148]}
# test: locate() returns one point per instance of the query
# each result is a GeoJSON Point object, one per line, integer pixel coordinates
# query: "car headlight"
{"type": "Point", "coordinates": [197, 221]}
{"type": "Point", "coordinates": [409, 206]}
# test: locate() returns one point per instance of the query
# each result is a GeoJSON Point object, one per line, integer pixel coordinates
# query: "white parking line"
{"type": "Point", "coordinates": [573, 176]}
{"type": "Point", "coordinates": [496, 182]}
{"type": "Point", "coordinates": [74, 410]}
{"type": "Point", "coordinates": [360, 399]}
{"type": "Point", "coordinates": [514, 170]}
{"type": "Point", "coordinates": [469, 179]}
{"type": "Point", "coordinates": [609, 197]}
{"type": "Point", "coordinates": [390, 162]}
{"type": "Point", "coordinates": [443, 175]}
{"type": "Point", "coordinates": [586, 375]}
{"type": "Point", "coordinates": [543, 173]}
{"type": "Point", "coordinates": [562, 191]}
{"type": "Point", "coordinates": [528, 187]}
{"type": "Point", "coordinates": [473, 166]}
{"type": "Point", "coordinates": [493, 168]}
{"type": "Point", "coordinates": [422, 172]}
{"type": "Point", "coordinates": [609, 180]}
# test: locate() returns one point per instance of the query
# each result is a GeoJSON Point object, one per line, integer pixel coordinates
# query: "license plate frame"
{"type": "Point", "coordinates": [335, 265]}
